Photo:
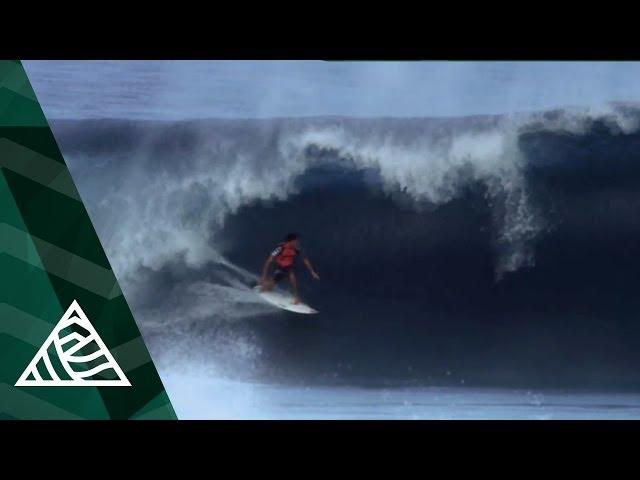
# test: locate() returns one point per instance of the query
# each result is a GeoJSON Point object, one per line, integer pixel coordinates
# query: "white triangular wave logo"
{"type": "Point", "coordinates": [79, 354]}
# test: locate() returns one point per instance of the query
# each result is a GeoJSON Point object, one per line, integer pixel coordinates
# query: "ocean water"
{"type": "Point", "coordinates": [458, 242]}
{"type": "Point", "coordinates": [204, 398]}
{"type": "Point", "coordinates": [487, 250]}
{"type": "Point", "coordinates": [177, 90]}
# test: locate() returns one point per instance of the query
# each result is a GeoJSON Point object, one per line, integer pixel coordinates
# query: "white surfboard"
{"type": "Point", "coordinates": [284, 301]}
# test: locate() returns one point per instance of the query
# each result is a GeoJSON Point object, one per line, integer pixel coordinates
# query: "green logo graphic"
{"type": "Point", "coordinates": [75, 351]}
{"type": "Point", "coordinates": [63, 319]}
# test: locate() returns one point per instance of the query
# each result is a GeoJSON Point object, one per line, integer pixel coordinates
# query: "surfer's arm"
{"type": "Point", "coordinates": [265, 269]}
{"type": "Point", "coordinates": [307, 264]}
{"type": "Point", "coordinates": [267, 264]}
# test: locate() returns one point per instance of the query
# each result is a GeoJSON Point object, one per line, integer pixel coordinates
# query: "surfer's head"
{"type": "Point", "coordinates": [291, 237]}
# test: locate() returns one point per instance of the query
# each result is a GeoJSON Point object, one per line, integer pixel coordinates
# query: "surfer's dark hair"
{"type": "Point", "coordinates": [291, 236]}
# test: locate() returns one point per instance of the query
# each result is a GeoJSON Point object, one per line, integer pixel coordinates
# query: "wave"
{"type": "Point", "coordinates": [448, 218]}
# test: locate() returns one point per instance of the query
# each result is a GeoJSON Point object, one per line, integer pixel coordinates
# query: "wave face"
{"type": "Point", "coordinates": [495, 250]}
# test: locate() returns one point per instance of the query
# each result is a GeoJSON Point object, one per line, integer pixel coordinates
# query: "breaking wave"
{"type": "Point", "coordinates": [187, 210]}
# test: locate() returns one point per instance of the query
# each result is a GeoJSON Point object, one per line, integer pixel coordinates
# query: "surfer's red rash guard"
{"type": "Point", "coordinates": [285, 254]}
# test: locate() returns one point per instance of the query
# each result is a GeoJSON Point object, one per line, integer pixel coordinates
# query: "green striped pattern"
{"type": "Point", "coordinates": [49, 256]}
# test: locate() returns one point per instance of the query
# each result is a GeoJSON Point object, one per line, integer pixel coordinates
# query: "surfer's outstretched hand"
{"type": "Point", "coordinates": [315, 275]}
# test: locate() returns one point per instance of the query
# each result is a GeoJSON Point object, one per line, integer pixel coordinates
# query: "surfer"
{"type": "Point", "coordinates": [285, 256]}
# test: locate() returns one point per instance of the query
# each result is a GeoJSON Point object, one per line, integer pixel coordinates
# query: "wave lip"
{"type": "Point", "coordinates": [172, 185]}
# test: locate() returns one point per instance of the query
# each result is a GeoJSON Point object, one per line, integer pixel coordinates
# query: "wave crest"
{"type": "Point", "coordinates": [168, 193]}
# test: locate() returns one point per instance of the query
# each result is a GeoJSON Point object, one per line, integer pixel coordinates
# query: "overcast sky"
{"type": "Point", "coordinates": [195, 89]}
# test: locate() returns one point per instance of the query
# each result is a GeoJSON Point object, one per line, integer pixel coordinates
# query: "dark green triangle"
{"type": "Point", "coordinates": [50, 256]}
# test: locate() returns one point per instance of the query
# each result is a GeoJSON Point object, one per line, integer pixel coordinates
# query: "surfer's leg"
{"type": "Point", "coordinates": [294, 286]}
{"type": "Point", "coordinates": [267, 285]}
{"type": "Point", "coordinates": [270, 283]}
